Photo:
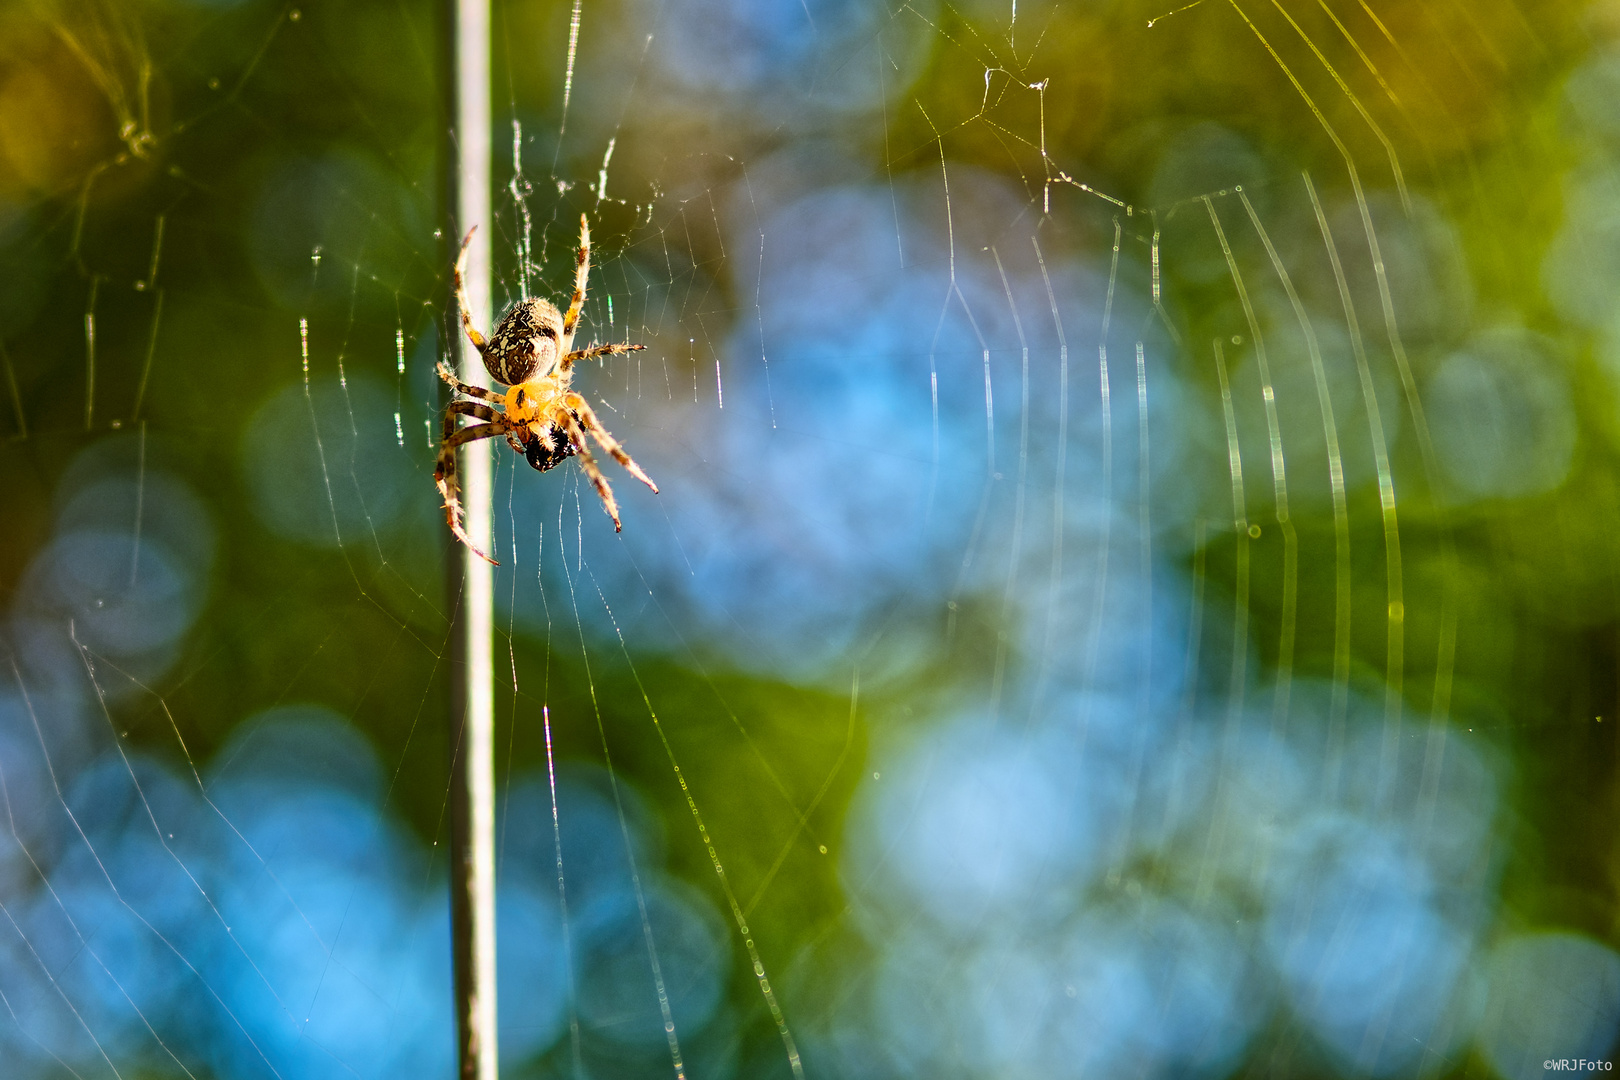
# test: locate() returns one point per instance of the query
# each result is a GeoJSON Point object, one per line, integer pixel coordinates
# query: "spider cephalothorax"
{"type": "Point", "coordinates": [532, 352]}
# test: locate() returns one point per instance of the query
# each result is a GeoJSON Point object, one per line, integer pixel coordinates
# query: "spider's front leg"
{"type": "Point", "coordinates": [444, 469]}
{"type": "Point", "coordinates": [582, 270]}
{"type": "Point", "coordinates": [461, 295]}
{"type": "Point", "coordinates": [598, 350]}
{"type": "Point", "coordinates": [467, 388]}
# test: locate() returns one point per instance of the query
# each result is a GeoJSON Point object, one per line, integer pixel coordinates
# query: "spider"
{"type": "Point", "coordinates": [532, 353]}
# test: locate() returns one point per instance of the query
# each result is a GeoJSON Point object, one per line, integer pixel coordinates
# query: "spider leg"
{"type": "Point", "coordinates": [588, 463]}
{"type": "Point", "coordinates": [461, 297]}
{"type": "Point", "coordinates": [469, 408]}
{"type": "Point", "coordinates": [595, 351]}
{"type": "Point", "coordinates": [444, 474]}
{"type": "Point", "coordinates": [444, 469]}
{"type": "Point", "coordinates": [591, 424]}
{"type": "Point", "coordinates": [582, 270]}
{"type": "Point", "coordinates": [467, 388]}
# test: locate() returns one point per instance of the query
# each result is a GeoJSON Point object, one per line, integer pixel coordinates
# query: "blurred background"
{"type": "Point", "coordinates": [1133, 594]}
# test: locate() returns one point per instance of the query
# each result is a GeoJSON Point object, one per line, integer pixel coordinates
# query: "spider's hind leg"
{"type": "Point", "coordinates": [444, 469]}
{"type": "Point", "coordinates": [605, 492]}
{"type": "Point", "coordinates": [588, 420]}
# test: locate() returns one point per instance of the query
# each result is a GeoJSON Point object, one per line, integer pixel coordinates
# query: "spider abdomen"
{"type": "Point", "coordinates": [525, 342]}
{"type": "Point", "coordinates": [544, 459]}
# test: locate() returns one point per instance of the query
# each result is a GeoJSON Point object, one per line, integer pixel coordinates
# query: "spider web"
{"type": "Point", "coordinates": [1130, 592]}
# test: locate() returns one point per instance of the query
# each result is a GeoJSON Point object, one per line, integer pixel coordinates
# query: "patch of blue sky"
{"type": "Point", "coordinates": [127, 599]}
{"type": "Point", "coordinates": [340, 982]}
{"type": "Point", "coordinates": [335, 969]}
{"type": "Point", "coordinates": [792, 63]}
{"type": "Point", "coordinates": [1115, 635]}
{"type": "Point", "coordinates": [294, 928]}
{"type": "Point", "coordinates": [618, 989]}
{"type": "Point", "coordinates": [110, 937]}
{"type": "Point", "coordinates": [164, 508]}
{"type": "Point", "coordinates": [875, 451]}
{"type": "Point", "coordinates": [109, 962]}
{"type": "Point", "coordinates": [533, 976]}
{"type": "Point", "coordinates": [31, 811]}
{"type": "Point", "coordinates": [1140, 847]}
{"type": "Point", "coordinates": [974, 823]}
{"type": "Point", "coordinates": [89, 574]}
{"type": "Point", "coordinates": [1369, 963]}
{"type": "Point", "coordinates": [621, 1020]}
{"type": "Point", "coordinates": [594, 857]}
{"type": "Point", "coordinates": [126, 571]}
{"type": "Point", "coordinates": [1154, 991]}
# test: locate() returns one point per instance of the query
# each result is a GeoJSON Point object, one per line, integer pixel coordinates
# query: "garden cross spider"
{"type": "Point", "coordinates": [531, 352]}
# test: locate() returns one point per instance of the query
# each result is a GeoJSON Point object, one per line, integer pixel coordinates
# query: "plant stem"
{"type": "Point", "coordinates": [472, 841]}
